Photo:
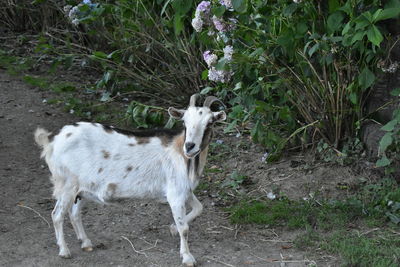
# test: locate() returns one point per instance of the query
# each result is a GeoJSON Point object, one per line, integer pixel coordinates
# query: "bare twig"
{"type": "Point", "coordinates": [276, 241]}
{"type": "Point", "coordinates": [223, 263]}
{"type": "Point", "coordinates": [29, 208]}
{"type": "Point", "coordinates": [134, 249]}
{"type": "Point", "coordinates": [368, 232]}
{"type": "Point", "coordinates": [237, 230]}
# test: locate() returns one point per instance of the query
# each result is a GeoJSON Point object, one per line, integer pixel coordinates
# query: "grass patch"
{"type": "Point", "coordinates": [296, 214]}
{"type": "Point", "coordinates": [334, 226]}
{"type": "Point", "coordinates": [14, 64]}
{"type": "Point", "coordinates": [360, 250]}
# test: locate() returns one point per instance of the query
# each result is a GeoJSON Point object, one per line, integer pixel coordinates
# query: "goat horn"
{"type": "Point", "coordinates": [193, 100]}
{"type": "Point", "coordinates": [210, 100]}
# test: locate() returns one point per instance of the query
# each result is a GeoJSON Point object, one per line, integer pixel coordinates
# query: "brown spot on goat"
{"type": "Point", "coordinates": [117, 156]}
{"type": "Point", "coordinates": [129, 168]}
{"type": "Point", "coordinates": [68, 135]}
{"type": "Point", "coordinates": [142, 140]}
{"type": "Point", "coordinates": [131, 144]}
{"type": "Point", "coordinates": [100, 170]}
{"type": "Point", "coordinates": [75, 124]}
{"type": "Point", "coordinates": [178, 143]}
{"type": "Point", "coordinates": [166, 140]}
{"type": "Point", "coordinates": [108, 129]}
{"type": "Point", "coordinates": [106, 154]}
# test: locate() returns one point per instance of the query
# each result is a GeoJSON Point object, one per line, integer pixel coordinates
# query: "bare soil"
{"type": "Point", "coordinates": [26, 231]}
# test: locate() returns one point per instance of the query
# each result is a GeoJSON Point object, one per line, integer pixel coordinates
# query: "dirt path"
{"type": "Point", "coordinates": [27, 238]}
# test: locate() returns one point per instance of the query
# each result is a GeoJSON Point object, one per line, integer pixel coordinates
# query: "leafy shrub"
{"type": "Point", "coordinates": [298, 67]}
{"type": "Point", "coordinates": [140, 45]}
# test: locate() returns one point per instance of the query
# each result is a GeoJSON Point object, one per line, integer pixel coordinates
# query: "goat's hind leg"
{"type": "Point", "coordinates": [76, 221]}
{"type": "Point", "coordinates": [63, 204]}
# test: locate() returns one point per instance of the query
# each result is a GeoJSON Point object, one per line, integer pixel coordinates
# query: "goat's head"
{"type": "Point", "coordinates": [198, 123]}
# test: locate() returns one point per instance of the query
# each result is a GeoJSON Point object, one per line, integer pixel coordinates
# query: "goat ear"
{"type": "Point", "coordinates": [176, 113]}
{"type": "Point", "coordinates": [219, 116]}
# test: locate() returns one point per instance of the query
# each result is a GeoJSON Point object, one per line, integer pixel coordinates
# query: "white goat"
{"type": "Point", "coordinates": [102, 163]}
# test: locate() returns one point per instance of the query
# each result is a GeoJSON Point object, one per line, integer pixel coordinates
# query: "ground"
{"type": "Point", "coordinates": [136, 233]}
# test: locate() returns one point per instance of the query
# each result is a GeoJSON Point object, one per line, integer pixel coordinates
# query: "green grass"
{"type": "Point", "coordinates": [334, 226]}
{"type": "Point", "coordinates": [297, 214]}
{"type": "Point", "coordinates": [14, 64]}
{"type": "Point", "coordinates": [361, 250]}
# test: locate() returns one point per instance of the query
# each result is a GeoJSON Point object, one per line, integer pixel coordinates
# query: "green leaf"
{"type": "Point", "coordinates": [357, 37]}
{"type": "Point", "coordinates": [366, 78]}
{"type": "Point", "coordinates": [392, 4]}
{"type": "Point", "coordinates": [374, 35]}
{"type": "Point", "coordinates": [100, 54]}
{"type": "Point", "coordinates": [218, 11]}
{"type": "Point", "coordinates": [178, 24]}
{"type": "Point", "coordinates": [395, 92]}
{"type": "Point", "coordinates": [388, 127]}
{"type": "Point", "coordinates": [289, 10]}
{"type": "Point", "coordinates": [361, 23]}
{"type": "Point", "coordinates": [334, 21]}
{"type": "Point", "coordinates": [382, 162]}
{"type": "Point", "coordinates": [393, 218]}
{"type": "Point", "coordinates": [346, 28]}
{"type": "Point", "coordinates": [239, 5]}
{"type": "Point", "coordinates": [353, 98]}
{"type": "Point", "coordinates": [313, 49]}
{"type": "Point", "coordinates": [222, 64]}
{"type": "Point", "coordinates": [333, 5]}
{"type": "Point", "coordinates": [181, 7]}
{"type": "Point", "coordinates": [165, 7]}
{"type": "Point", "coordinates": [206, 90]}
{"type": "Point", "coordinates": [204, 75]}
{"type": "Point", "coordinates": [388, 13]}
{"type": "Point", "coordinates": [83, 8]}
{"type": "Point", "coordinates": [385, 142]}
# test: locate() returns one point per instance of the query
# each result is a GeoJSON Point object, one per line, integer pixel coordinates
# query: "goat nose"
{"type": "Point", "coordinates": [189, 146]}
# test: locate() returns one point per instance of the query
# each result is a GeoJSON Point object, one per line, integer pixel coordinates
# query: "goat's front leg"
{"type": "Point", "coordinates": [178, 211]}
{"type": "Point", "coordinates": [197, 208]}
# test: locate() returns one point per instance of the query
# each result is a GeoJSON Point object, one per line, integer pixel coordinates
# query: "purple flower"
{"type": "Point", "coordinates": [209, 58]}
{"type": "Point", "coordinates": [228, 52]}
{"type": "Point", "coordinates": [197, 23]}
{"type": "Point", "coordinates": [219, 24]}
{"type": "Point", "coordinates": [204, 7]}
{"type": "Point", "coordinates": [219, 75]}
{"type": "Point", "coordinates": [226, 3]}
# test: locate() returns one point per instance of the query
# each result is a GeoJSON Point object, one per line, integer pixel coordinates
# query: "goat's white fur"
{"type": "Point", "coordinates": [89, 162]}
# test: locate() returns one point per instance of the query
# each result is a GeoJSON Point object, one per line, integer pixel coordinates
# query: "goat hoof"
{"type": "Point", "coordinates": [66, 255]}
{"type": "Point", "coordinates": [188, 260]}
{"type": "Point", "coordinates": [87, 249]}
{"type": "Point", "coordinates": [173, 230]}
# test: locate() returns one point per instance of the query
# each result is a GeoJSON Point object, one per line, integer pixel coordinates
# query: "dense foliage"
{"type": "Point", "coordinates": [293, 72]}
{"type": "Point", "coordinates": [300, 67]}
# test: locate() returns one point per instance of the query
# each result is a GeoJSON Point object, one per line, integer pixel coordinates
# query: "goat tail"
{"type": "Point", "coordinates": [42, 139]}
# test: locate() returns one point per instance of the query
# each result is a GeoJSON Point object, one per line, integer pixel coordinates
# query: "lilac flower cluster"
{"type": "Point", "coordinates": [221, 28]}
{"type": "Point", "coordinates": [201, 16]}
{"type": "Point", "coordinates": [74, 14]}
{"type": "Point", "coordinates": [226, 3]}
{"type": "Point", "coordinates": [211, 59]}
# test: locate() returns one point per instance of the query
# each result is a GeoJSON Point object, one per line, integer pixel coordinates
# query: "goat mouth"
{"type": "Point", "coordinates": [192, 154]}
